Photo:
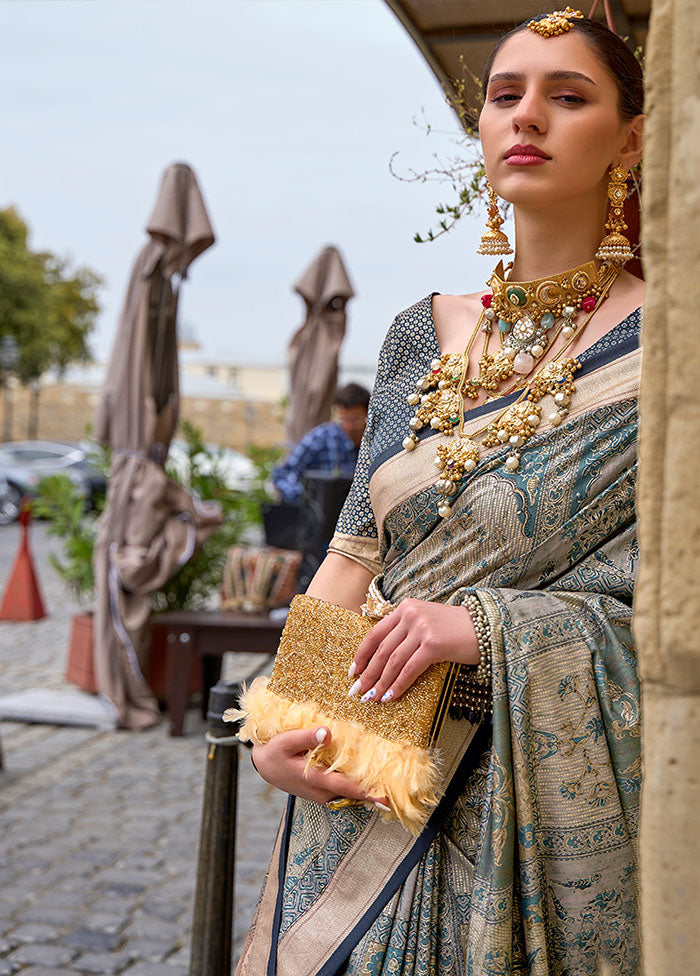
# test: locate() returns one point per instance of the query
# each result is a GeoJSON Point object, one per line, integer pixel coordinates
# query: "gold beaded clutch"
{"type": "Point", "coordinates": [386, 748]}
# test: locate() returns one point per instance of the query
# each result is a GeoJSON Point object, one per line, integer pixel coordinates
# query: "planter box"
{"type": "Point", "coordinates": [80, 669]}
{"type": "Point", "coordinates": [79, 666]}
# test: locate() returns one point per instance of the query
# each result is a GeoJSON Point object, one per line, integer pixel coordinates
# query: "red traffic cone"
{"type": "Point", "coordinates": [22, 600]}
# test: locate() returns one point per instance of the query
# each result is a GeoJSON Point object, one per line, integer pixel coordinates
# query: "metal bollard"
{"type": "Point", "coordinates": [212, 926]}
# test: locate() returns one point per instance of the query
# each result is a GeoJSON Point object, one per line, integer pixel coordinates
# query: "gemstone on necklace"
{"type": "Point", "coordinates": [547, 320]}
{"type": "Point", "coordinates": [516, 295]}
{"type": "Point", "coordinates": [486, 300]}
{"type": "Point", "coordinates": [504, 326]}
{"type": "Point", "coordinates": [588, 303]}
{"type": "Point", "coordinates": [523, 363]}
{"type": "Point", "coordinates": [524, 328]}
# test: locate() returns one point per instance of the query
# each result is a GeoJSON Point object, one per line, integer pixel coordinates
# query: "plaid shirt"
{"type": "Point", "coordinates": [323, 448]}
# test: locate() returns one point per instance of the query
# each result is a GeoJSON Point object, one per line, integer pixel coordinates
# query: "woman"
{"type": "Point", "coordinates": [524, 550]}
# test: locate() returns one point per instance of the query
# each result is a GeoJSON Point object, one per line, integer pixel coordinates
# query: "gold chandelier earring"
{"type": "Point", "coordinates": [494, 240]}
{"type": "Point", "coordinates": [615, 247]}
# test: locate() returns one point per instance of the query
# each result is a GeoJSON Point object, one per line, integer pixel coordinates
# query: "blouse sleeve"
{"type": "Point", "coordinates": [356, 532]}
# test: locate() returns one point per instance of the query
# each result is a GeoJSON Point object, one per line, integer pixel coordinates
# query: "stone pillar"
{"type": "Point", "coordinates": [667, 625]}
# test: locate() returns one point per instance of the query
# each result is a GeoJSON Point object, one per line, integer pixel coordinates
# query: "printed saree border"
{"type": "Point", "coordinates": [265, 913]}
{"type": "Point", "coordinates": [281, 866]}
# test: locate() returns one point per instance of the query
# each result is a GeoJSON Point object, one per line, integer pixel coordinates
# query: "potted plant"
{"type": "Point", "coordinates": [59, 501]}
{"type": "Point", "coordinates": [193, 587]}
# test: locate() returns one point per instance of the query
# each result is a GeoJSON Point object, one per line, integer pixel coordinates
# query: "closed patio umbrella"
{"type": "Point", "coordinates": [313, 350]}
{"type": "Point", "coordinates": [151, 526]}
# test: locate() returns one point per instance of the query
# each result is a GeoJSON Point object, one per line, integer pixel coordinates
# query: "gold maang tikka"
{"type": "Point", "coordinates": [615, 247]}
{"type": "Point", "coordinates": [558, 22]}
{"type": "Point", "coordinates": [494, 241]}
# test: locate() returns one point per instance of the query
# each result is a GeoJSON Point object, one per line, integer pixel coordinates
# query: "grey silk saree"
{"type": "Point", "coordinates": [528, 865]}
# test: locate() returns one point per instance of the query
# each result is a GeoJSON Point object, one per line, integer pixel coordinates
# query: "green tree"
{"type": "Point", "coordinates": [48, 306]}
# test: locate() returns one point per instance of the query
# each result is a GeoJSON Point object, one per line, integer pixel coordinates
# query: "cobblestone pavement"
{"type": "Point", "coordinates": [99, 830]}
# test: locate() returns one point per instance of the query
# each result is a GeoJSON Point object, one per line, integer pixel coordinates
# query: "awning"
{"type": "Point", "coordinates": [456, 36]}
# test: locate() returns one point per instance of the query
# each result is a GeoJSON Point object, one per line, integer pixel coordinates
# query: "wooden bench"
{"type": "Point", "coordinates": [204, 636]}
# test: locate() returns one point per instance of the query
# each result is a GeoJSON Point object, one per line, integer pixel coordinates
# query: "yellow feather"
{"type": "Point", "coordinates": [406, 774]}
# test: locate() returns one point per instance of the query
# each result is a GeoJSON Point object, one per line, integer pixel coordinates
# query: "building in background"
{"type": "Point", "coordinates": [235, 404]}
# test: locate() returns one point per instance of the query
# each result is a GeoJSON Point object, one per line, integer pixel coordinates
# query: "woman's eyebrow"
{"type": "Point", "coordinates": [562, 75]}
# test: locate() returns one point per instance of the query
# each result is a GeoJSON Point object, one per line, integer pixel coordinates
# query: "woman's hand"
{"type": "Point", "coordinates": [282, 761]}
{"type": "Point", "coordinates": [406, 642]}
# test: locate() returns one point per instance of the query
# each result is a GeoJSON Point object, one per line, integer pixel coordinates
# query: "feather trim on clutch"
{"type": "Point", "coordinates": [388, 749]}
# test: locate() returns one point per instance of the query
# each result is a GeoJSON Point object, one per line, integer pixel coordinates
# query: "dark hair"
{"type": "Point", "coordinates": [352, 395]}
{"type": "Point", "coordinates": [611, 50]}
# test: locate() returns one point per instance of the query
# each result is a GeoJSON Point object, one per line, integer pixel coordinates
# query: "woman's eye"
{"type": "Point", "coordinates": [508, 98]}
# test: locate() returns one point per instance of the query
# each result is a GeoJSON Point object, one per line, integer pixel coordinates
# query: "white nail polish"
{"type": "Point", "coordinates": [369, 695]}
{"type": "Point", "coordinates": [355, 688]}
{"type": "Point", "coordinates": [321, 735]}
{"type": "Point", "coordinates": [388, 695]}
{"type": "Point", "coordinates": [351, 670]}
{"type": "Point", "coordinates": [382, 806]}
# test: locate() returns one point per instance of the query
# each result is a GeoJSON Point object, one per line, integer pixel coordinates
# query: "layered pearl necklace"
{"type": "Point", "coordinates": [530, 317]}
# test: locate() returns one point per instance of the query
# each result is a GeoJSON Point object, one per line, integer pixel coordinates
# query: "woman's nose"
{"type": "Point", "coordinates": [529, 114]}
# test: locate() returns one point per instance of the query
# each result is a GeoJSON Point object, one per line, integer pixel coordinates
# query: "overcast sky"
{"type": "Point", "coordinates": [288, 110]}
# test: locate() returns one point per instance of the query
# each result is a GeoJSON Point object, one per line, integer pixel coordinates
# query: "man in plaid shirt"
{"type": "Point", "coordinates": [329, 447]}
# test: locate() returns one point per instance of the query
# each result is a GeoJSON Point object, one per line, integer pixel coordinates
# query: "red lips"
{"type": "Point", "coordinates": [527, 150]}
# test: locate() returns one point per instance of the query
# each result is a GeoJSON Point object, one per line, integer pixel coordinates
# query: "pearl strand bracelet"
{"type": "Point", "coordinates": [471, 697]}
{"type": "Point", "coordinates": [482, 675]}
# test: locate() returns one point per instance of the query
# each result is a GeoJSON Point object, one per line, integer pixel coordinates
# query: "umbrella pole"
{"type": "Point", "coordinates": [212, 926]}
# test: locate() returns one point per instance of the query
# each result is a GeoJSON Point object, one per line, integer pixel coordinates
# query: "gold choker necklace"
{"type": "Point", "coordinates": [526, 311]}
{"type": "Point", "coordinates": [531, 316]}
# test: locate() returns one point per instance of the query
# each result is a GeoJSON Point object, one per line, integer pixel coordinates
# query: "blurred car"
{"type": "Point", "coordinates": [235, 468]}
{"type": "Point", "coordinates": [93, 467]}
{"type": "Point", "coordinates": [24, 463]}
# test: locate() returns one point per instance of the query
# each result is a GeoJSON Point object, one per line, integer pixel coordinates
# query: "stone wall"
{"type": "Point", "coordinates": [667, 608]}
{"type": "Point", "coordinates": [65, 410]}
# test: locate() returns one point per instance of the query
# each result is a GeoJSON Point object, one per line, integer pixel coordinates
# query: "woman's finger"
{"type": "Point", "coordinates": [410, 658]}
{"type": "Point", "coordinates": [369, 645]}
{"type": "Point", "coordinates": [393, 666]}
{"type": "Point", "coordinates": [303, 740]}
{"type": "Point", "coordinates": [378, 662]}
{"type": "Point", "coordinates": [337, 785]}
{"type": "Point", "coordinates": [412, 669]}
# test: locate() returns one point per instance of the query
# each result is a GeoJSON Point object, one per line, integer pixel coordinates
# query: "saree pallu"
{"type": "Point", "coordinates": [528, 865]}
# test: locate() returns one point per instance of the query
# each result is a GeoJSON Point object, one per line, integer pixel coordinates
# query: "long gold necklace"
{"type": "Point", "coordinates": [523, 308]}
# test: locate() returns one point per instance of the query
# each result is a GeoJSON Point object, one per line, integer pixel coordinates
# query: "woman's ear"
{"type": "Point", "coordinates": [631, 151]}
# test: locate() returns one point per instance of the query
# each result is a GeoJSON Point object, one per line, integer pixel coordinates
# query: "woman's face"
{"type": "Point", "coordinates": [553, 95]}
